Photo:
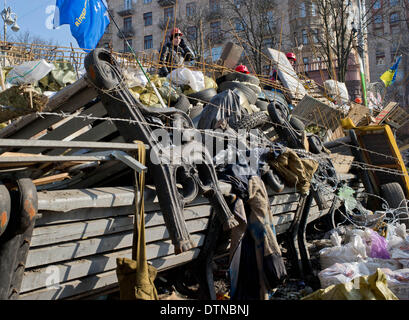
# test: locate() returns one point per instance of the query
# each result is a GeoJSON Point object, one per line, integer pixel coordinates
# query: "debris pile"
{"type": "Point", "coordinates": [267, 136]}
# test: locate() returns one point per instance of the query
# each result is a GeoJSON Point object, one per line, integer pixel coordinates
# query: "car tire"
{"type": "Point", "coordinates": [252, 121]}
{"type": "Point", "coordinates": [242, 77]}
{"type": "Point", "coordinates": [182, 104]}
{"type": "Point", "coordinates": [315, 144]}
{"type": "Point", "coordinates": [395, 197]}
{"type": "Point", "coordinates": [273, 181]}
{"type": "Point", "coordinates": [297, 124]}
{"type": "Point", "coordinates": [203, 96]}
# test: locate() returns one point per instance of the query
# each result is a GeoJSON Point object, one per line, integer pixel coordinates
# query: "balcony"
{"type": "Point", "coordinates": [126, 33]}
{"type": "Point", "coordinates": [126, 12]}
{"type": "Point", "coordinates": [166, 3]}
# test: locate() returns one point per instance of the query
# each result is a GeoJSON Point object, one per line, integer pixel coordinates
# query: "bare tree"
{"type": "Point", "coordinates": [195, 29]}
{"type": "Point", "coordinates": [254, 25]}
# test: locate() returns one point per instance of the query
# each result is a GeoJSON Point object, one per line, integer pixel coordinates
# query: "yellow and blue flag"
{"type": "Point", "coordinates": [88, 20]}
{"type": "Point", "coordinates": [389, 76]}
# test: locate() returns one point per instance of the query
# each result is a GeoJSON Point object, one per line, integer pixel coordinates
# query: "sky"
{"type": "Point", "coordinates": [36, 16]}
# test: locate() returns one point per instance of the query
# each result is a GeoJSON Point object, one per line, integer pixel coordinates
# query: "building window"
{"type": "Point", "coordinates": [306, 63]}
{"type": "Point", "coordinates": [147, 1]}
{"type": "Point", "coordinates": [147, 42]}
{"type": "Point", "coordinates": [313, 9]}
{"type": "Point", "coordinates": [214, 5]}
{"type": "Point", "coordinates": [377, 4]}
{"type": "Point", "coordinates": [394, 17]}
{"type": "Point", "coordinates": [315, 35]}
{"type": "Point", "coordinates": [168, 13]}
{"type": "Point", "coordinates": [237, 3]}
{"type": "Point", "coordinates": [239, 25]}
{"type": "Point", "coordinates": [147, 17]}
{"type": "Point", "coordinates": [395, 29]}
{"type": "Point", "coordinates": [380, 59]}
{"type": "Point", "coordinates": [190, 9]}
{"type": "Point", "coordinates": [215, 27]}
{"type": "Point", "coordinates": [215, 30]}
{"type": "Point", "coordinates": [127, 23]}
{"type": "Point", "coordinates": [192, 33]}
{"type": "Point", "coordinates": [303, 12]}
{"type": "Point", "coordinates": [393, 3]}
{"type": "Point", "coordinates": [304, 37]}
{"type": "Point", "coordinates": [268, 43]}
{"type": "Point", "coordinates": [126, 47]}
{"type": "Point", "coordinates": [270, 18]}
{"type": "Point", "coordinates": [377, 19]}
{"type": "Point", "coordinates": [127, 4]}
{"type": "Point", "coordinates": [216, 53]}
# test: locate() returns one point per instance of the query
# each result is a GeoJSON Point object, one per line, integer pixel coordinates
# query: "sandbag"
{"type": "Point", "coordinates": [374, 287]}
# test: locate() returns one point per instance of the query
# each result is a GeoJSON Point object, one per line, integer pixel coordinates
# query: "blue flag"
{"type": "Point", "coordinates": [88, 20]}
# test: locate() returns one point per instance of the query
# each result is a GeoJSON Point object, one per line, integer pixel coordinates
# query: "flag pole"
{"type": "Point", "coordinates": [134, 54]}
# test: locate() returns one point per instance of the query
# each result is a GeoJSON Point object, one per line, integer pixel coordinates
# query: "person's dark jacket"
{"type": "Point", "coordinates": [174, 56]}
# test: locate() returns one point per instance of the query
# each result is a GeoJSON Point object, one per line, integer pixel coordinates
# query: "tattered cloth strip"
{"type": "Point", "coordinates": [296, 171]}
{"type": "Point", "coordinates": [258, 266]}
{"type": "Point", "coordinates": [260, 224]}
{"type": "Point", "coordinates": [19, 101]}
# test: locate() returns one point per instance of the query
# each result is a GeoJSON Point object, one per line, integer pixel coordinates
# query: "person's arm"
{"type": "Point", "coordinates": [163, 71]}
{"type": "Point", "coordinates": [187, 52]}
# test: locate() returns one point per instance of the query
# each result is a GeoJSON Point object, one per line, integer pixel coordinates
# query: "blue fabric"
{"type": "Point", "coordinates": [88, 20]}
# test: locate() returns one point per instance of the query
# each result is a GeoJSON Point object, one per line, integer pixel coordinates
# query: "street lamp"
{"type": "Point", "coordinates": [9, 18]}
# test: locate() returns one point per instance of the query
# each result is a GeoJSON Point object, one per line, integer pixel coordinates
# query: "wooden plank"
{"type": "Point", "coordinates": [283, 218]}
{"type": "Point", "coordinates": [53, 178]}
{"type": "Point", "coordinates": [94, 281]}
{"type": "Point", "coordinates": [278, 209]}
{"type": "Point", "coordinates": [152, 218]}
{"type": "Point", "coordinates": [282, 228]}
{"type": "Point", "coordinates": [102, 227]}
{"type": "Point", "coordinates": [67, 200]}
{"type": "Point", "coordinates": [70, 127]}
{"type": "Point", "coordinates": [71, 250]}
{"type": "Point", "coordinates": [316, 213]}
{"type": "Point", "coordinates": [37, 278]}
{"type": "Point", "coordinates": [72, 288]}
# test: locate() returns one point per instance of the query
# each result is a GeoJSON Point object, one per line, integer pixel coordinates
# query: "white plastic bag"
{"type": "Point", "coordinates": [398, 282]}
{"type": "Point", "coordinates": [353, 251]}
{"type": "Point", "coordinates": [135, 78]}
{"type": "Point", "coordinates": [341, 273]}
{"type": "Point", "coordinates": [337, 90]}
{"type": "Point", "coordinates": [29, 72]}
{"type": "Point", "coordinates": [184, 76]}
{"type": "Point", "coordinates": [346, 272]}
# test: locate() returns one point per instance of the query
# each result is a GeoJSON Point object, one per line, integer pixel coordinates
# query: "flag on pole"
{"type": "Point", "coordinates": [88, 20]}
{"type": "Point", "coordinates": [389, 76]}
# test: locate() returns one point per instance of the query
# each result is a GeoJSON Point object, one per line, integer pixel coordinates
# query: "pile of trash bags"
{"type": "Point", "coordinates": [356, 253]}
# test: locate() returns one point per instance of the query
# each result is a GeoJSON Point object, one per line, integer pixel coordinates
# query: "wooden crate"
{"type": "Point", "coordinates": [392, 115]}
{"type": "Point", "coordinates": [313, 111]}
{"type": "Point", "coordinates": [358, 113]}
